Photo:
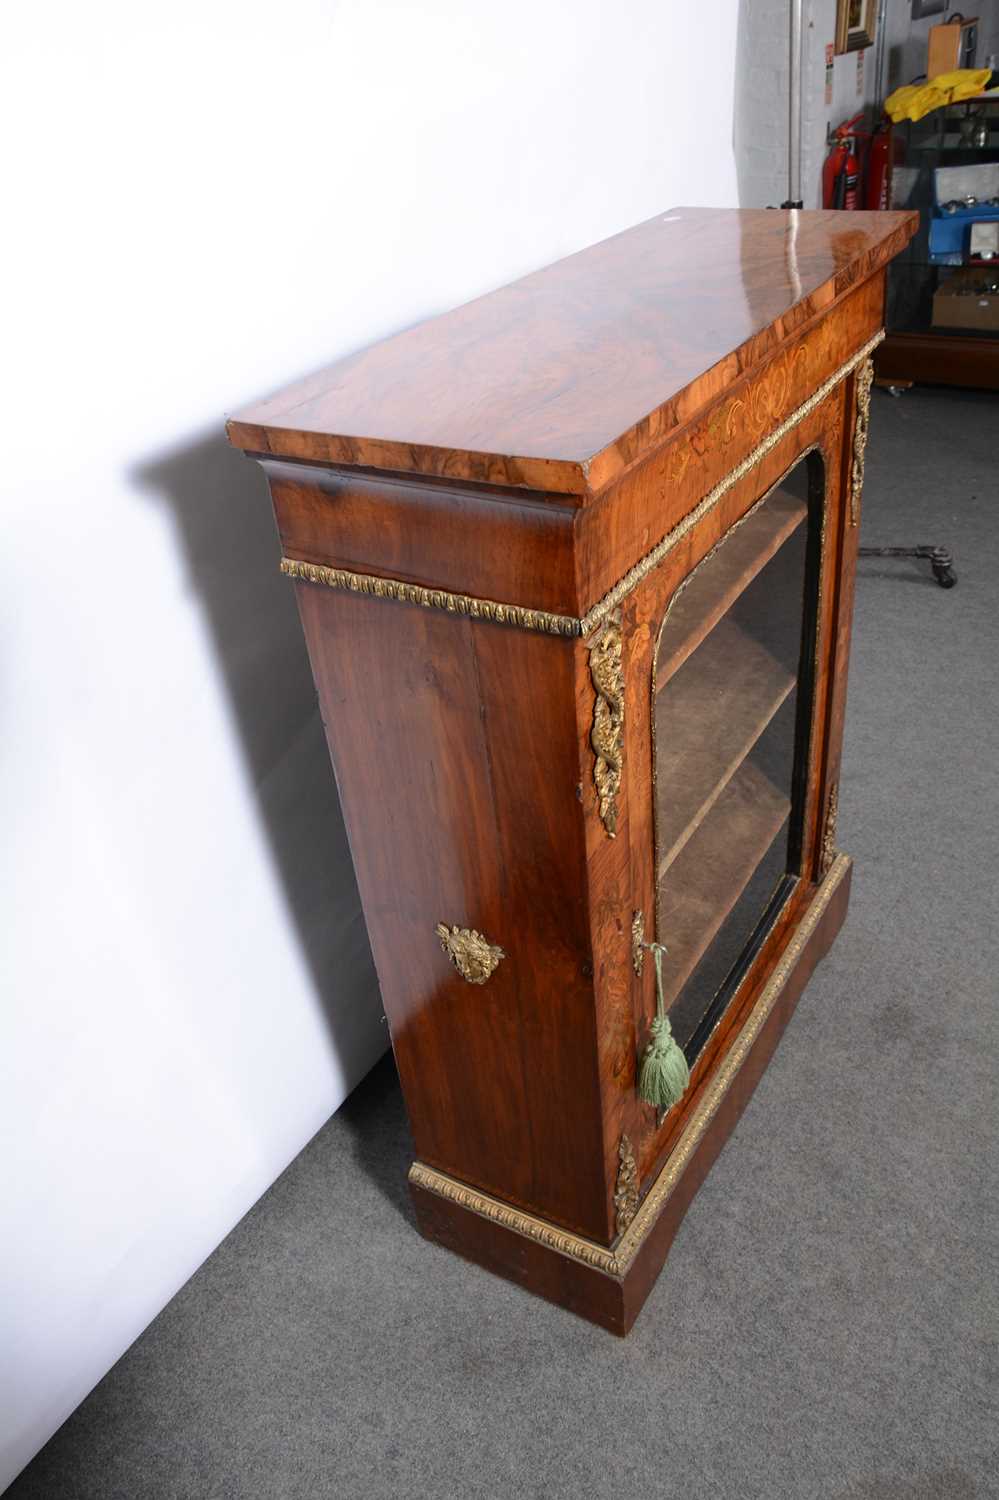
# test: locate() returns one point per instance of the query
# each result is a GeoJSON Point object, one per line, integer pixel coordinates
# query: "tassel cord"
{"type": "Point", "coordinates": [664, 1075]}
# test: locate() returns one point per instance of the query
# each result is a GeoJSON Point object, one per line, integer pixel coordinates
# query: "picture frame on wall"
{"type": "Point", "coordinates": [855, 23]}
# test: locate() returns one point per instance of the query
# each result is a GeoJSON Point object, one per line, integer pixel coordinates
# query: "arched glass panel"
{"type": "Point", "coordinates": [732, 720]}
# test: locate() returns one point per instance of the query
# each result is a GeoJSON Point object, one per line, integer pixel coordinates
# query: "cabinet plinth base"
{"type": "Point", "coordinates": [609, 1284]}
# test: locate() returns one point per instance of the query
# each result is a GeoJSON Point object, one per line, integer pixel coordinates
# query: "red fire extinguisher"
{"type": "Point", "coordinates": [877, 189]}
{"type": "Point", "coordinates": [841, 169]}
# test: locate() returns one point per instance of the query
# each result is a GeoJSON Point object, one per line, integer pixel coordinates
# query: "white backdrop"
{"type": "Point", "coordinates": [205, 200]}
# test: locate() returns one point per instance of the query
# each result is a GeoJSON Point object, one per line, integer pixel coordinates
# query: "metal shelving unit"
{"type": "Point", "coordinates": [917, 350]}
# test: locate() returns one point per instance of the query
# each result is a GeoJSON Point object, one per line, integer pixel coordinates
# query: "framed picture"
{"type": "Point", "coordinates": [855, 22]}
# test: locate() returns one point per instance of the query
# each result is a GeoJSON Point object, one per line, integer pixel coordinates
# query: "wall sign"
{"type": "Point", "coordinates": [830, 54]}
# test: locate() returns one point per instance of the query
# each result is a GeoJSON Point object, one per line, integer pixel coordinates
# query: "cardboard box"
{"type": "Point", "coordinates": [962, 303]}
{"type": "Point", "coordinates": [950, 45]}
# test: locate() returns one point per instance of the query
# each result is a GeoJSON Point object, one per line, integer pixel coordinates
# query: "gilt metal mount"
{"type": "Point", "coordinates": [607, 734]}
{"type": "Point", "coordinates": [473, 956]}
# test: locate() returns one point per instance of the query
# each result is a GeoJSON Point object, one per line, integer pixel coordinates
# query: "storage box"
{"type": "Point", "coordinates": [951, 44]}
{"type": "Point", "coordinates": [967, 301]}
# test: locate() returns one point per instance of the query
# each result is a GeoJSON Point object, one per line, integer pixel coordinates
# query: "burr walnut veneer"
{"type": "Point", "coordinates": [575, 565]}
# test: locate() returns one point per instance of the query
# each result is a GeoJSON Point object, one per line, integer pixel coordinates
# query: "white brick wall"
{"type": "Point", "coordinates": [761, 86]}
{"type": "Point", "coordinates": [761, 101]}
{"type": "Point", "coordinates": [761, 83]}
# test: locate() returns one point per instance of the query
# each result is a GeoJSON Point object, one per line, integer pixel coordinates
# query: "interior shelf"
{"type": "Point", "coordinates": [717, 707]}
{"type": "Point", "coordinates": [715, 866]}
{"type": "Point", "coordinates": [722, 578]}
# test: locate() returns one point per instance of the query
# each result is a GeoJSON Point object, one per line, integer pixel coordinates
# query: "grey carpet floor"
{"type": "Point", "coordinates": [826, 1323]}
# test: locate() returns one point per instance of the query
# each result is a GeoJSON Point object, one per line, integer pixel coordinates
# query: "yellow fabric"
{"type": "Point", "coordinates": [915, 100]}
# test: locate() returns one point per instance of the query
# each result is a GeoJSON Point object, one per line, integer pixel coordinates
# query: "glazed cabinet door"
{"type": "Point", "coordinates": [732, 726]}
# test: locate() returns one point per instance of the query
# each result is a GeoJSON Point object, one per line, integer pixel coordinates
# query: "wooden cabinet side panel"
{"type": "Point", "coordinates": [454, 744]}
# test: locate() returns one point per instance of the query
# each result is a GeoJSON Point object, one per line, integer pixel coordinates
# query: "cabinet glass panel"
{"type": "Point", "coordinates": [734, 669]}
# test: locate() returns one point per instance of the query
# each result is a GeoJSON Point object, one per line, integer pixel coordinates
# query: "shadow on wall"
{"type": "Point", "coordinates": [224, 523]}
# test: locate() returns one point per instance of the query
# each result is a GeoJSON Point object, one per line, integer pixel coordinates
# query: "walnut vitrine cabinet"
{"type": "Point", "coordinates": [575, 567]}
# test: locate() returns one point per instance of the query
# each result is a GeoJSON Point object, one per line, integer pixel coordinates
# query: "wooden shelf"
{"type": "Point", "coordinates": [715, 710]}
{"type": "Point", "coordinates": [939, 359]}
{"type": "Point", "coordinates": [722, 577]}
{"type": "Point", "coordinates": [710, 874]}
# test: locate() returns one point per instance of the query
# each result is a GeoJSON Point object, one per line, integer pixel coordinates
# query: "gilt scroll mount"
{"type": "Point", "coordinates": [475, 958]}
{"type": "Point", "coordinates": [626, 1187]}
{"type": "Point", "coordinates": [861, 426]}
{"type": "Point", "coordinates": [607, 734]}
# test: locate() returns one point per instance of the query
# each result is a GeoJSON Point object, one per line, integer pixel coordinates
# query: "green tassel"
{"type": "Point", "coordinates": [664, 1074]}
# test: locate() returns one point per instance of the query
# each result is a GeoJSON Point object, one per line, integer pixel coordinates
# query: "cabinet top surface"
{"type": "Point", "coordinates": [560, 380]}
